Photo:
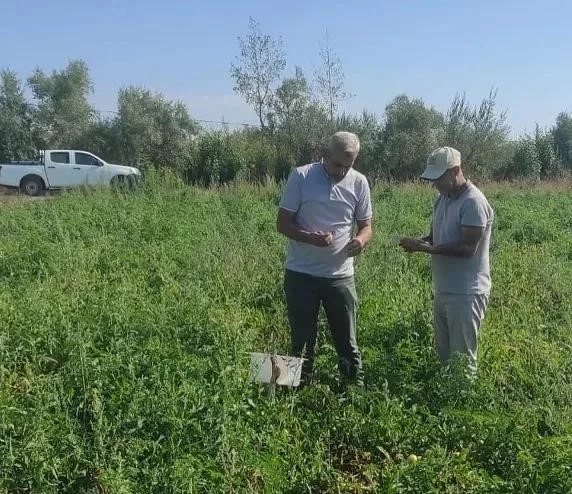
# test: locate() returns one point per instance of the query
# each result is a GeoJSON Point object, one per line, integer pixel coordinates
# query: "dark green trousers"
{"type": "Point", "coordinates": [304, 294]}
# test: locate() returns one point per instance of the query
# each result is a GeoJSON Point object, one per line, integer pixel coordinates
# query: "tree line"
{"type": "Point", "coordinates": [295, 117]}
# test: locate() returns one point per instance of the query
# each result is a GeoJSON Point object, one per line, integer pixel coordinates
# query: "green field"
{"type": "Point", "coordinates": [126, 322]}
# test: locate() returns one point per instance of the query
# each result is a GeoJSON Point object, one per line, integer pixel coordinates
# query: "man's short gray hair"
{"type": "Point", "coordinates": [345, 142]}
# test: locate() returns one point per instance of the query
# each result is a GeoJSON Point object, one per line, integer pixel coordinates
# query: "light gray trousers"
{"type": "Point", "coordinates": [457, 322]}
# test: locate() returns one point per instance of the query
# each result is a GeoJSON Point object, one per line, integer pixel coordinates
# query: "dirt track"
{"type": "Point", "coordinates": [12, 196]}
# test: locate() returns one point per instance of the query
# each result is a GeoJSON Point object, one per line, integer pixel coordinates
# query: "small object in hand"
{"type": "Point", "coordinates": [353, 245]}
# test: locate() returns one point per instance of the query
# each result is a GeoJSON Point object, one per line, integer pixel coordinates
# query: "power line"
{"type": "Point", "coordinates": [229, 123]}
{"type": "Point", "coordinates": [221, 122]}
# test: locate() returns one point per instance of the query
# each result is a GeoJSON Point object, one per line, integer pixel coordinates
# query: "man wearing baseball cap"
{"type": "Point", "coordinates": [459, 246]}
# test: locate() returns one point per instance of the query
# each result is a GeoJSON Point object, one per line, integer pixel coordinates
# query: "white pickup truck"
{"type": "Point", "coordinates": [64, 168]}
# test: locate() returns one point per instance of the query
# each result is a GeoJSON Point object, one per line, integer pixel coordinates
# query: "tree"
{"type": "Point", "coordinates": [330, 79]}
{"type": "Point", "coordinates": [550, 162]}
{"type": "Point", "coordinates": [150, 126]}
{"type": "Point", "coordinates": [479, 133]}
{"type": "Point", "coordinates": [15, 119]}
{"type": "Point", "coordinates": [102, 138]}
{"type": "Point", "coordinates": [257, 68]}
{"type": "Point", "coordinates": [562, 133]}
{"type": "Point", "coordinates": [369, 130]}
{"type": "Point", "coordinates": [292, 109]}
{"type": "Point", "coordinates": [300, 124]}
{"type": "Point", "coordinates": [525, 162]}
{"type": "Point", "coordinates": [63, 112]}
{"type": "Point", "coordinates": [410, 132]}
{"type": "Point", "coordinates": [291, 100]}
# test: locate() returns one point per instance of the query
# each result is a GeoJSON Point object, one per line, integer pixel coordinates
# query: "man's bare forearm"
{"type": "Point", "coordinates": [364, 234]}
{"type": "Point", "coordinates": [457, 249]}
{"type": "Point", "coordinates": [291, 231]}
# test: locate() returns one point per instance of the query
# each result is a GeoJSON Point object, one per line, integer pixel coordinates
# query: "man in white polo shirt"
{"type": "Point", "coordinates": [459, 247]}
{"type": "Point", "coordinates": [321, 204]}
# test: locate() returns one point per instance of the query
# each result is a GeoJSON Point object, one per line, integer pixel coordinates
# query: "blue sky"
{"type": "Point", "coordinates": [428, 49]}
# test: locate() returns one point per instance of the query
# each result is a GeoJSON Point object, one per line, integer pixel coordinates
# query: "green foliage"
{"type": "Point", "coordinates": [214, 160]}
{"type": "Point", "coordinates": [562, 133]}
{"type": "Point", "coordinates": [257, 69]}
{"type": "Point", "coordinates": [330, 80]}
{"type": "Point", "coordinates": [533, 158]}
{"type": "Point", "coordinates": [299, 124]}
{"type": "Point", "coordinates": [550, 162]}
{"type": "Point", "coordinates": [291, 100]}
{"type": "Point", "coordinates": [525, 162]}
{"type": "Point", "coordinates": [369, 130]}
{"type": "Point", "coordinates": [410, 133]}
{"type": "Point", "coordinates": [102, 139]}
{"type": "Point", "coordinates": [63, 112]}
{"type": "Point", "coordinates": [15, 119]}
{"type": "Point", "coordinates": [149, 125]}
{"type": "Point", "coordinates": [151, 131]}
{"type": "Point", "coordinates": [480, 133]}
{"type": "Point", "coordinates": [127, 321]}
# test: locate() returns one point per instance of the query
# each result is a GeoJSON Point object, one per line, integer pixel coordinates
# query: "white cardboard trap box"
{"type": "Point", "coordinates": [279, 369]}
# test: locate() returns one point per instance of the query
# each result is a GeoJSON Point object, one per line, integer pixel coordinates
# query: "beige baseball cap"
{"type": "Point", "coordinates": [439, 161]}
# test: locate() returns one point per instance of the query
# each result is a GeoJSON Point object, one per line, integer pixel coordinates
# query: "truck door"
{"type": "Point", "coordinates": [90, 167]}
{"type": "Point", "coordinates": [60, 171]}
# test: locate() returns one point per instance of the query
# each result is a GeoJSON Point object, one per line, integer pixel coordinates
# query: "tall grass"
{"type": "Point", "coordinates": [126, 322]}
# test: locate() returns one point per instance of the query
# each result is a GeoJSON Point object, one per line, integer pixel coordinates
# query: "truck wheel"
{"type": "Point", "coordinates": [123, 182]}
{"type": "Point", "coordinates": [32, 186]}
{"type": "Point", "coordinates": [116, 180]}
{"type": "Point", "coordinates": [131, 182]}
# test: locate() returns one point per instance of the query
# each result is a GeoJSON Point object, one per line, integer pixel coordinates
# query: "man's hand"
{"type": "Point", "coordinates": [353, 247]}
{"type": "Point", "coordinates": [415, 245]}
{"type": "Point", "coordinates": [286, 225]}
{"type": "Point", "coordinates": [320, 239]}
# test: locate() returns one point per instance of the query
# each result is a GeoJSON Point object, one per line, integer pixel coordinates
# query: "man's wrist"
{"type": "Point", "coordinates": [428, 248]}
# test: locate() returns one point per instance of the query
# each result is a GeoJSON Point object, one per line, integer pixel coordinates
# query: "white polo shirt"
{"type": "Point", "coordinates": [323, 205]}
